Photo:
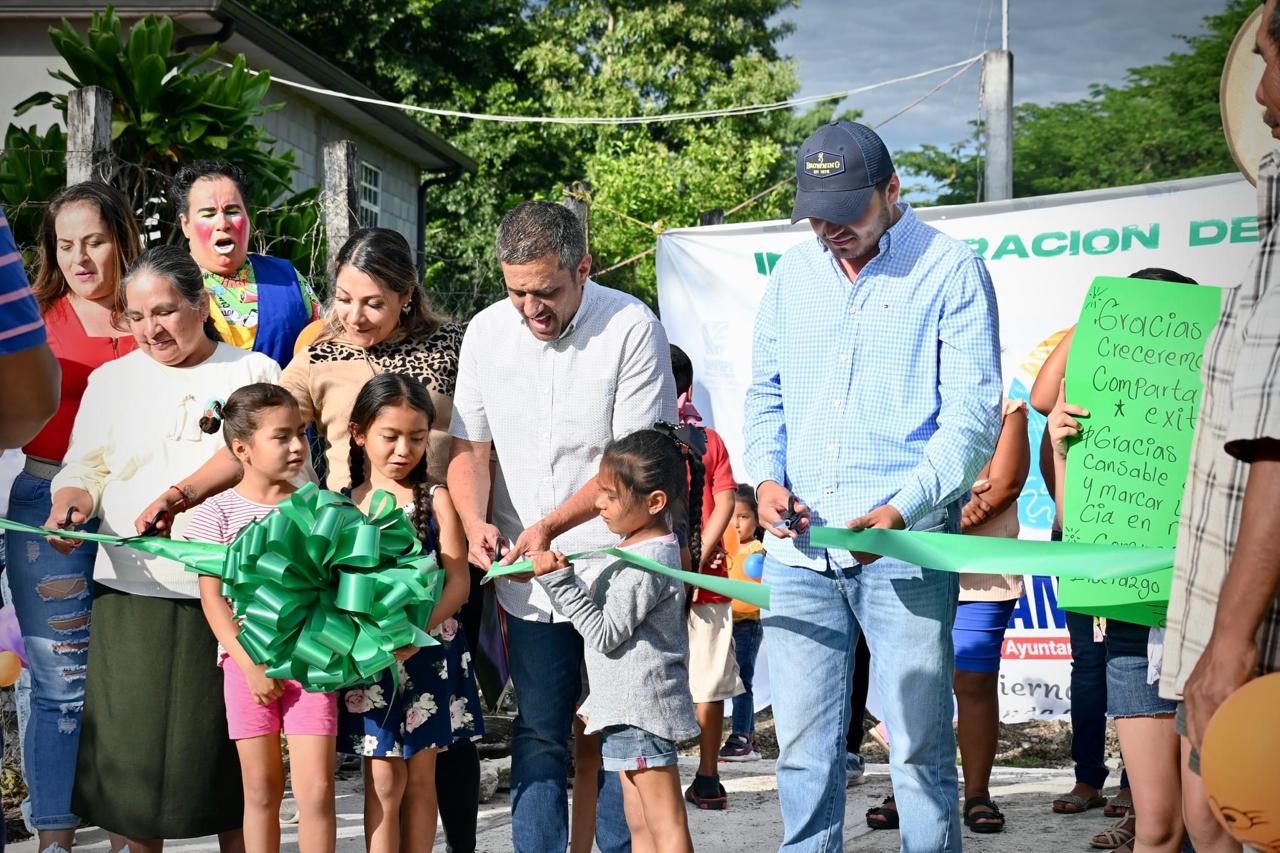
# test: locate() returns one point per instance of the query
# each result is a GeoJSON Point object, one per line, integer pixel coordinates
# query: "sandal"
{"type": "Point", "coordinates": [717, 801]}
{"type": "Point", "coordinates": [991, 820]}
{"type": "Point", "coordinates": [1070, 803]}
{"type": "Point", "coordinates": [1115, 836]}
{"type": "Point", "coordinates": [1119, 806]}
{"type": "Point", "coordinates": [886, 811]}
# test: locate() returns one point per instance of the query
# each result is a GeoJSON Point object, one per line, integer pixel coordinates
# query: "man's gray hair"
{"type": "Point", "coordinates": [535, 229]}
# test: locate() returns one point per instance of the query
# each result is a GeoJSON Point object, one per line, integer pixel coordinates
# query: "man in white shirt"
{"type": "Point", "coordinates": [546, 379]}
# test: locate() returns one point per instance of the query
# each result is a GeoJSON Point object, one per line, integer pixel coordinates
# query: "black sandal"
{"type": "Point", "coordinates": [889, 815]}
{"type": "Point", "coordinates": [986, 821]}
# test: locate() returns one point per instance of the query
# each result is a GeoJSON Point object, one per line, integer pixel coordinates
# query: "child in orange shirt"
{"type": "Point", "coordinates": [746, 560]}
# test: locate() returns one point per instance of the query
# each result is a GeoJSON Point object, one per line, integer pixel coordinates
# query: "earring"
{"type": "Point", "coordinates": [407, 307]}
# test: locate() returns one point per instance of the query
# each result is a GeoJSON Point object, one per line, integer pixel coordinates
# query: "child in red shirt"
{"type": "Point", "coordinates": [713, 665]}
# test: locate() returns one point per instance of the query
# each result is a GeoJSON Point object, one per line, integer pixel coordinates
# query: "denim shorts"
{"type": "Point", "coordinates": [629, 748]}
{"type": "Point", "coordinates": [1129, 694]}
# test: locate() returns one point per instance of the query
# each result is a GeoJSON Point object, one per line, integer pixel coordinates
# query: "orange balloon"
{"type": "Point", "coordinates": [1240, 764]}
{"type": "Point", "coordinates": [10, 668]}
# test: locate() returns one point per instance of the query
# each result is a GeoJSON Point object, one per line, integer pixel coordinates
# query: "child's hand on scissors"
{"type": "Point", "coordinates": [546, 562]}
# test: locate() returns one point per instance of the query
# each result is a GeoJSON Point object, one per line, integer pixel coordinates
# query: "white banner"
{"type": "Point", "coordinates": [1042, 254]}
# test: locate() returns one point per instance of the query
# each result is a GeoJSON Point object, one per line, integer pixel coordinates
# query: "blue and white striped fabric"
{"type": "Point", "coordinates": [20, 325]}
{"type": "Point", "coordinates": [883, 390]}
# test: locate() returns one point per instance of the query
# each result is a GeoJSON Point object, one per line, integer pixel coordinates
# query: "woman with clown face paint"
{"type": "Point", "coordinates": [257, 302]}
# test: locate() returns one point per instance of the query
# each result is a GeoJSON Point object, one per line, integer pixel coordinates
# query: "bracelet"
{"type": "Point", "coordinates": [186, 504]}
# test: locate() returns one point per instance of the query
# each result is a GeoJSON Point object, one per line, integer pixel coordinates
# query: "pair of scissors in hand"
{"type": "Point", "coordinates": [153, 527]}
{"type": "Point", "coordinates": [793, 517]}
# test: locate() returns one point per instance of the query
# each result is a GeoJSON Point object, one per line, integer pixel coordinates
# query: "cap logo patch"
{"type": "Point", "coordinates": [823, 164]}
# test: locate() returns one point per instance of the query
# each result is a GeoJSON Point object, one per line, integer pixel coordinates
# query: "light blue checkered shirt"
{"type": "Point", "coordinates": [882, 390]}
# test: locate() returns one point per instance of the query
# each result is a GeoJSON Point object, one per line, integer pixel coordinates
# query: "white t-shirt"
{"type": "Point", "coordinates": [137, 432]}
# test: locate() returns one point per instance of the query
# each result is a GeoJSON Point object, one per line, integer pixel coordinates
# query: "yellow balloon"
{"type": "Point", "coordinates": [10, 668]}
{"type": "Point", "coordinates": [1240, 764]}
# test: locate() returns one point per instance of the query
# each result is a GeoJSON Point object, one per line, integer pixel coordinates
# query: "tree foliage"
{"type": "Point", "coordinates": [575, 58]}
{"type": "Point", "coordinates": [1163, 123]}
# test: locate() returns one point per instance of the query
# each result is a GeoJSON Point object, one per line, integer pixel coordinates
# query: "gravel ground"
{"type": "Point", "coordinates": [1033, 766]}
{"type": "Point", "coordinates": [752, 821]}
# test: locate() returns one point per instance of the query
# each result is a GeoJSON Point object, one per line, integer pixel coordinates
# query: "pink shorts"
{"type": "Point", "coordinates": [296, 712]}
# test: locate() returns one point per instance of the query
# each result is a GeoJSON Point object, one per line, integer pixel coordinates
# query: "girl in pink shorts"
{"type": "Point", "coordinates": [264, 429]}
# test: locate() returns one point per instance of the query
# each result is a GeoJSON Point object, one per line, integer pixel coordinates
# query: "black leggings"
{"type": "Point", "coordinates": [858, 695]}
{"type": "Point", "coordinates": [458, 767]}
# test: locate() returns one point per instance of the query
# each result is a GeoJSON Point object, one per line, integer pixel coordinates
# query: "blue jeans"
{"type": "Point", "coordinates": [812, 633]}
{"type": "Point", "coordinates": [747, 635]}
{"type": "Point", "coordinates": [52, 594]}
{"type": "Point", "coordinates": [546, 670]}
{"type": "Point", "coordinates": [1088, 702]}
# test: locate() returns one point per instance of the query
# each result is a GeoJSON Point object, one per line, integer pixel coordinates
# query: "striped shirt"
{"type": "Point", "coordinates": [884, 390]}
{"type": "Point", "coordinates": [550, 408]}
{"type": "Point", "coordinates": [221, 518]}
{"type": "Point", "coordinates": [20, 325]}
{"type": "Point", "coordinates": [1241, 404]}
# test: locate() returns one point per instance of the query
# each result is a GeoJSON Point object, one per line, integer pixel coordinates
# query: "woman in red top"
{"type": "Point", "coordinates": [88, 238]}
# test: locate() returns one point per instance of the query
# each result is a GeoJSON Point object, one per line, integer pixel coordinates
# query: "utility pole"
{"type": "Point", "coordinates": [997, 115]}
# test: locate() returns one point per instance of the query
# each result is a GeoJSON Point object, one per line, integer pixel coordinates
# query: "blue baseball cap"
{"type": "Point", "coordinates": [837, 169]}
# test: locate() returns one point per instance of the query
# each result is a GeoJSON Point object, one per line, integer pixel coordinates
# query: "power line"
{"type": "Point", "coordinates": [749, 109]}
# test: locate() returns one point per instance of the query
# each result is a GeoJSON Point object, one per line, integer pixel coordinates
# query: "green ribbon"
{"type": "Point", "coordinates": [325, 593]}
{"type": "Point", "coordinates": [756, 594]}
{"type": "Point", "coordinates": [1142, 572]}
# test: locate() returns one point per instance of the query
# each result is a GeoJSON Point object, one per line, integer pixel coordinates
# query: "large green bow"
{"type": "Point", "coordinates": [325, 592]}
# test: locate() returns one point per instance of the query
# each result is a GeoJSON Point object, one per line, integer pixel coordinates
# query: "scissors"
{"type": "Point", "coordinates": [501, 549]}
{"type": "Point", "coordinates": [793, 517]}
{"type": "Point", "coordinates": [153, 526]}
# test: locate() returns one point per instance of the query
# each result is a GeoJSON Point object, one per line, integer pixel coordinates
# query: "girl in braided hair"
{"type": "Point", "coordinates": [399, 733]}
{"type": "Point", "coordinates": [632, 625]}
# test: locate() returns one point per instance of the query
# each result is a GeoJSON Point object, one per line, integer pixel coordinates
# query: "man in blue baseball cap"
{"type": "Point", "coordinates": [875, 401]}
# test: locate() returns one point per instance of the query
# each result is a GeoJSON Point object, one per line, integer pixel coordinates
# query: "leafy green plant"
{"type": "Point", "coordinates": [33, 167]}
{"type": "Point", "coordinates": [169, 107]}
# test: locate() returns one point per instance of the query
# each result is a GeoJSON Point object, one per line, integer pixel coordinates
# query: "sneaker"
{"type": "Point", "coordinates": [707, 793]}
{"type": "Point", "coordinates": [739, 748]}
{"type": "Point", "coordinates": [855, 768]}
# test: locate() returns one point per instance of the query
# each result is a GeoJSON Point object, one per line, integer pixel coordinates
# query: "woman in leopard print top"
{"type": "Point", "coordinates": [379, 323]}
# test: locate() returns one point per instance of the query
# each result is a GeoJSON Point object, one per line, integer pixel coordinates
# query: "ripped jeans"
{"type": "Point", "coordinates": [52, 595]}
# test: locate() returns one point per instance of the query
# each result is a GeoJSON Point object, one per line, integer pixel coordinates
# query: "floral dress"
{"type": "Point", "coordinates": [438, 702]}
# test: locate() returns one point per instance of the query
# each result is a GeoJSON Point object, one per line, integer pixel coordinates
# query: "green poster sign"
{"type": "Point", "coordinates": [1135, 366]}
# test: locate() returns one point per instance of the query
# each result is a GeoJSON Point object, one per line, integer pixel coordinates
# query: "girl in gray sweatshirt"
{"type": "Point", "coordinates": [633, 626]}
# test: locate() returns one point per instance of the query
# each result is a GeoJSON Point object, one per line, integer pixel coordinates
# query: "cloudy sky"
{"type": "Point", "coordinates": [1059, 48]}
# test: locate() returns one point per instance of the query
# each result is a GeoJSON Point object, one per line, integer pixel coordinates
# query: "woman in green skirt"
{"type": "Point", "coordinates": [155, 761]}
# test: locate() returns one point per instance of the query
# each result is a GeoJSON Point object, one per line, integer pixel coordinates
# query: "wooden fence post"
{"type": "Point", "coordinates": [341, 200]}
{"type": "Point", "coordinates": [88, 135]}
{"type": "Point", "coordinates": [577, 197]}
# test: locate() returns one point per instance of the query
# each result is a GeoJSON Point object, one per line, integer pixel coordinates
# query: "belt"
{"type": "Point", "coordinates": [41, 468]}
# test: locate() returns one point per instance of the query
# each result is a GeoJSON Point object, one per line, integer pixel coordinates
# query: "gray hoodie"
{"type": "Point", "coordinates": [637, 644]}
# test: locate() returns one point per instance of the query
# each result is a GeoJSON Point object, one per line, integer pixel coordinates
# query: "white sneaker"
{"type": "Point", "coordinates": [855, 768]}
